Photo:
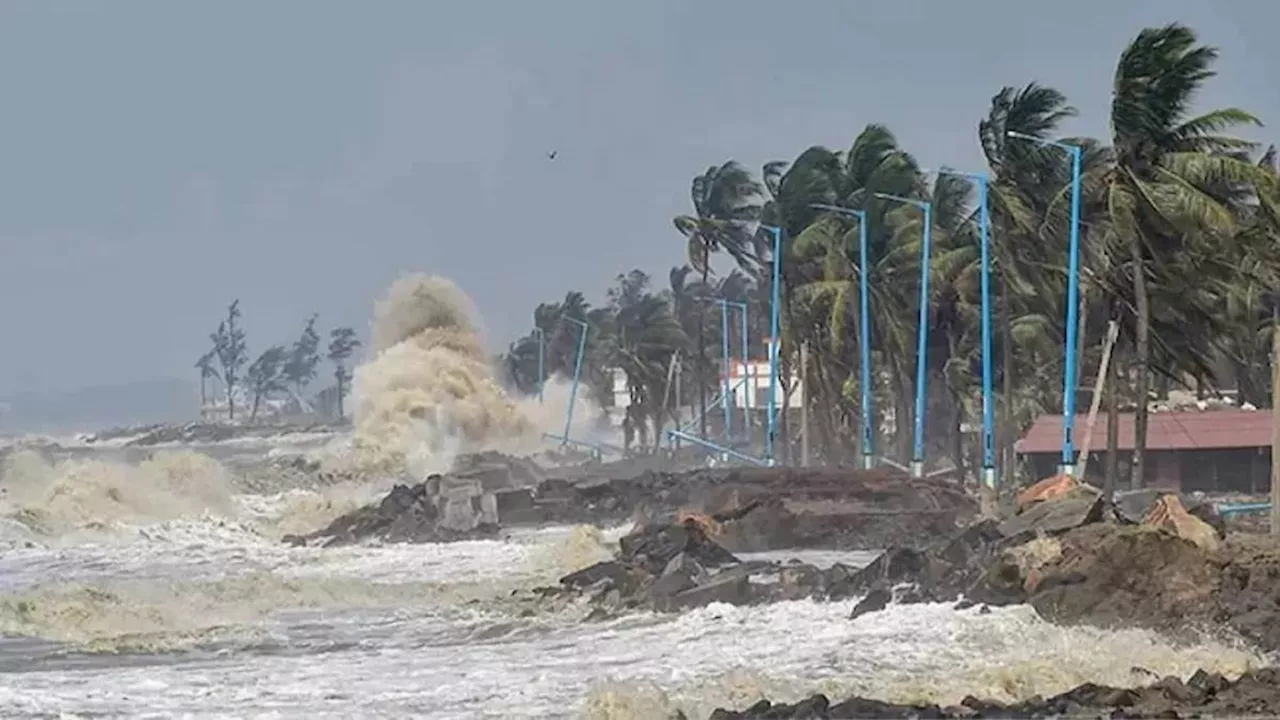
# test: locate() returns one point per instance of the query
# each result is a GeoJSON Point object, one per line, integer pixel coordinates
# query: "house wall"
{"type": "Point", "coordinates": [750, 385]}
{"type": "Point", "coordinates": [1235, 470]}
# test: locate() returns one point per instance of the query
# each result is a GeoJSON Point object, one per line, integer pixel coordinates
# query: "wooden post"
{"type": "Point", "coordinates": [1275, 424]}
{"type": "Point", "coordinates": [1113, 331]}
{"type": "Point", "coordinates": [804, 404]}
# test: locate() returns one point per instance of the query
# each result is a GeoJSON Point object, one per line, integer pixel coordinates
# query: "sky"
{"type": "Point", "coordinates": [159, 158]}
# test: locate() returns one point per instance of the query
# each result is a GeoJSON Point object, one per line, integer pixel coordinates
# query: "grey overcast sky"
{"type": "Point", "coordinates": [161, 157]}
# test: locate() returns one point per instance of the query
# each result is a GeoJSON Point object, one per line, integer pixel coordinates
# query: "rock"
{"type": "Point", "coordinates": [653, 546]}
{"type": "Point", "coordinates": [1169, 515]}
{"type": "Point", "coordinates": [1133, 505]}
{"type": "Point", "coordinates": [730, 587]}
{"type": "Point", "coordinates": [801, 581]}
{"type": "Point", "coordinates": [1079, 506]}
{"type": "Point", "coordinates": [1256, 694]}
{"type": "Point", "coordinates": [1046, 489]}
{"type": "Point", "coordinates": [606, 570]}
{"type": "Point", "coordinates": [681, 573]}
{"type": "Point", "coordinates": [875, 601]}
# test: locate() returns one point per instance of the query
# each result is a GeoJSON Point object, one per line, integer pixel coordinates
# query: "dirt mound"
{"type": "Point", "coordinates": [1171, 572]}
{"type": "Point", "coordinates": [1123, 575]}
{"type": "Point", "coordinates": [1255, 694]}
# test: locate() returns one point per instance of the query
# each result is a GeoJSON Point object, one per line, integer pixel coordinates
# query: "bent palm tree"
{"type": "Point", "coordinates": [725, 201]}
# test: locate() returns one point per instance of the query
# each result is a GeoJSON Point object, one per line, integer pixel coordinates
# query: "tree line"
{"type": "Point", "coordinates": [278, 369]}
{"type": "Point", "coordinates": [1180, 247]}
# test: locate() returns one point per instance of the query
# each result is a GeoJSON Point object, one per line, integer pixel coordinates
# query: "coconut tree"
{"type": "Point", "coordinates": [1156, 190]}
{"type": "Point", "coordinates": [819, 273]}
{"type": "Point", "coordinates": [725, 202]}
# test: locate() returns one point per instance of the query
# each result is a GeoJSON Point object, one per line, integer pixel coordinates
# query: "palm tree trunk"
{"type": "Point", "coordinates": [340, 384]}
{"type": "Point", "coordinates": [1142, 352]}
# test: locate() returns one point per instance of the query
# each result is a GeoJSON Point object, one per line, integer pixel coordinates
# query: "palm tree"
{"type": "Point", "coordinates": [207, 370]}
{"type": "Point", "coordinates": [1156, 189]}
{"type": "Point", "coordinates": [725, 200]}
{"type": "Point", "coordinates": [647, 335]}
{"type": "Point", "coordinates": [1023, 183]}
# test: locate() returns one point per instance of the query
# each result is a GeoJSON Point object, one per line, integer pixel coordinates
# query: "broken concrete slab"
{"type": "Point", "coordinates": [1079, 507]}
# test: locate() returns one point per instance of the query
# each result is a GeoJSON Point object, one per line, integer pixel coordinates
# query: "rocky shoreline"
{"type": "Point", "coordinates": [1254, 695]}
{"type": "Point", "coordinates": [771, 508]}
{"type": "Point", "coordinates": [677, 565]}
{"type": "Point", "coordinates": [1155, 560]}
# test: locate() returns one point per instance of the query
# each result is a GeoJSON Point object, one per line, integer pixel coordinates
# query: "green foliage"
{"type": "Point", "coordinates": [232, 352]}
{"type": "Point", "coordinates": [342, 343]}
{"type": "Point", "coordinates": [1180, 237]}
{"type": "Point", "coordinates": [303, 358]}
{"type": "Point", "coordinates": [266, 376]}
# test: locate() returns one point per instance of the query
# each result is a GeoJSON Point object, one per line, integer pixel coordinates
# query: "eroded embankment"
{"type": "Point", "coordinates": [761, 508]}
{"type": "Point", "coordinates": [1148, 562]}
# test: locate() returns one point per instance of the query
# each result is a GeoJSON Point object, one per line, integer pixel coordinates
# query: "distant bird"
{"type": "Point", "coordinates": [552, 155]}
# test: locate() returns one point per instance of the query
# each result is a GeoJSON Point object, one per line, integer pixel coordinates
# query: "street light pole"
{"type": "Point", "coordinates": [988, 405]}
{"type": "Point", "coordinates": [775, 301]}
{"type": "Point", "coordinates": [922, 333]}
{"type": "Point", "coordinates": [864, 329]}
{"type": "Point", "coordinates": [1073, 301]}
{"type": "Point", "coordinates": [577, 374]}
{"type": "Point", "coordinates": [724, 362]}
{"type": "Point", "coordinates": [746, 371]}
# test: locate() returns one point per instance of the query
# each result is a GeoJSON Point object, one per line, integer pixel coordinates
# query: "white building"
{"type": "Point", "coordinates": [749, 386]}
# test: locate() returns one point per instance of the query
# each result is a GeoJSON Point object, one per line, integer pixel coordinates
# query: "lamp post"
{"type": "Point", "coordinates": [724, 355]}
{"type": "Point", "coordinates": [577, 374]}
{"type": "Point", "coordinates": [728, 390]}
{"type": "Point", "coordinates": [774, 303]}
{"type": "Point", "coordinates": [747, 375]}
{"type": "Point", "coordinates": [1073, 301]}
{"type": "Point", "coordinates": [542, 358]}
{"type": "Point", "coordinates": [864, 330]}
{"type": "Point", "coordinates": [922, 333]}
{"type": "Point", "coordinates": [988, 405]}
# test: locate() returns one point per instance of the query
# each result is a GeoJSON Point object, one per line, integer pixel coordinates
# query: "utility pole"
{"type": "Point", "coordinates": [804, 404]}
{"type": "Point", "coordinates": [1275, 418]}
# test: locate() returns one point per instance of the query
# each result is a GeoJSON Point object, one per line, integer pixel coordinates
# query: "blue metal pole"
{"type": "Point", "coordinates": [577, 374]}
{"type": "Point", "coordinates": [864, 341]}
{"type": "Point", "coordinates": [724, 355]}
{"type": "Point", "coordinates": [774, 304]}
{"type": "Point", "coordinates": [922, 334]}
{"type": "Point", "coordinates": [864, 331]}
{"type": "Point", "coordinates": [988, 407]}
{"type": "Point", "coordinates": [922, 346]}
{"type": "Point", "coordinates": [1073, 302]}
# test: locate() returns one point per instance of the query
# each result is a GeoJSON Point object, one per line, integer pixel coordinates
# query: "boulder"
{"type": "Point", "coordinates": [607, 570]}
{"type": "Point", "coordinates": [1078, 506]}
{"type": "Point", "coordinates": [681, 573]}
{"type": "Point", "coordinates": [653, 546]}
{"type": "Point", "coordinates": [728, 587]}
{"type": "Point", "coordinates": [1047, 489]}
{"type": "Point", "coordinates": [1169, 514]}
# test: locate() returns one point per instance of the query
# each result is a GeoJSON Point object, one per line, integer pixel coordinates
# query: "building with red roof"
{"type": "Point", "coordinates": [1223, 450]}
